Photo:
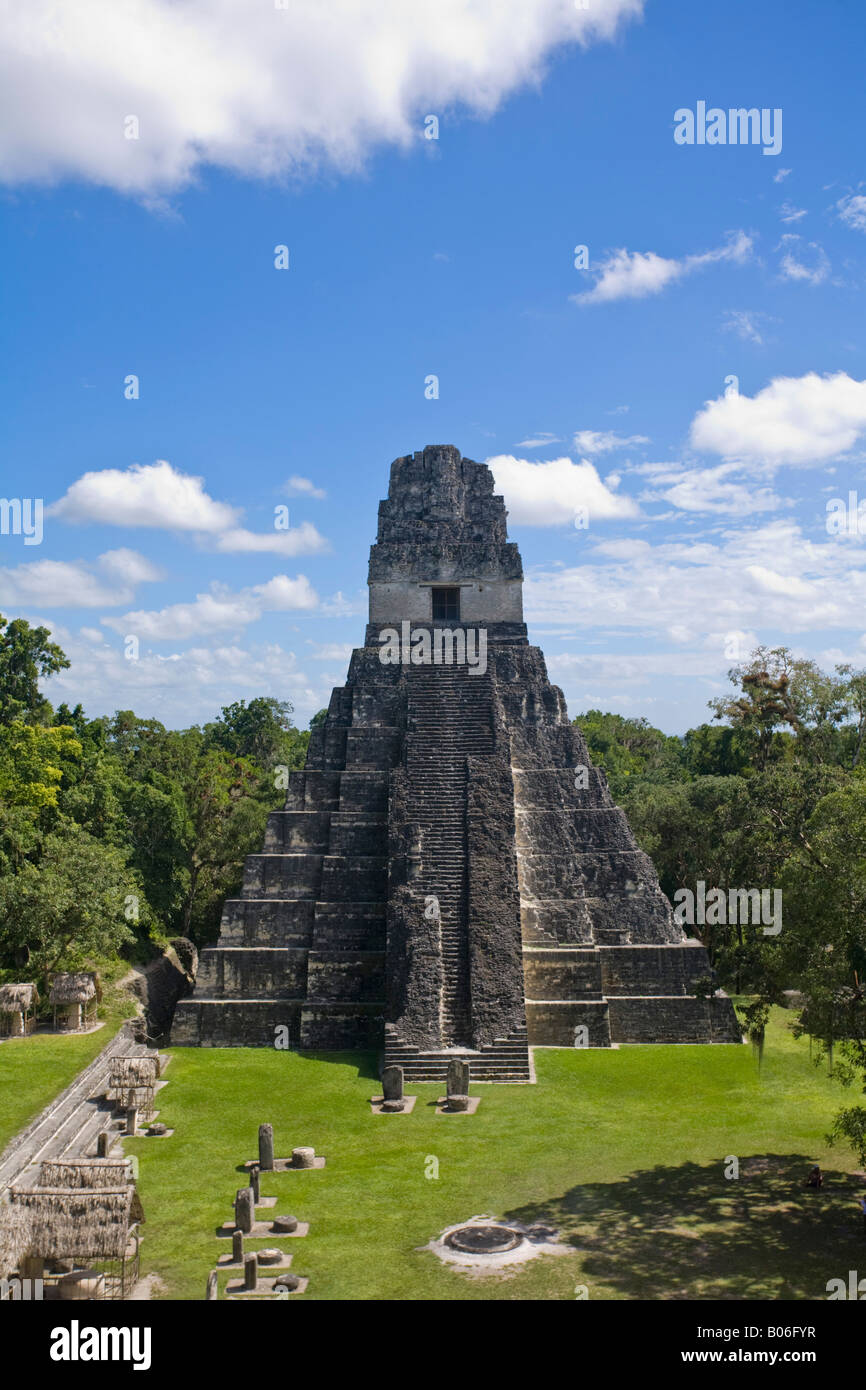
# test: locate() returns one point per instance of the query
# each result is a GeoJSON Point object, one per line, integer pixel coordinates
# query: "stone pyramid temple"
{"type": "Point", "coordinates": [449, 873]}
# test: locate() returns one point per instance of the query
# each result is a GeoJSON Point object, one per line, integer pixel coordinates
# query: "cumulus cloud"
{"type": "Point", "coordinates": [257, 89]}
{"type": "Point", "coordinates": [794, 420]}
{"type": "Point", "coordinates": [603, 441]}
{"type": "Point", "coordinates": [219, 610]}
{"type": "Point", "coordinates": [159, 496]}
{"type": "Point", "coordinates": [74, 584]}
{"type": "Point", "coordinates": [150, 494]}
{"type": "Point", "coordinates": [301, 540]}
{"type": "Point", "coordinates": [636, 274]}
{"type": "Point", "coordinates": [550, 494]}
{"type": "Point", "coordinates": [852, 211]}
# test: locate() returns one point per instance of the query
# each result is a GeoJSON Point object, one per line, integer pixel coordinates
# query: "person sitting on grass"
{"type": "Point", "coordinates": [815, 1178]}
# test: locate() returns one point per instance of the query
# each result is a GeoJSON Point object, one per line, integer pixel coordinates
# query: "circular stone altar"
{"type": "Point", "coordinates": [482, 1245]}
{"type": "Point", "coordinates": [270, 1256]}
{"type": "Point", "coordinates": [483, 1240]}
{"type": "Point", "coordinates": [284, 1224]}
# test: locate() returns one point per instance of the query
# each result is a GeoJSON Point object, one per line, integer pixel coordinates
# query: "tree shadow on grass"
{"type": "Point", "coordinates": [687, 1232]}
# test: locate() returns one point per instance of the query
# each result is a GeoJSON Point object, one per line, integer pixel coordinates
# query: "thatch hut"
{"type": "Point", "coordinates": [132, 1083]}
{"type": "Point", "coordinates": [91, 1173]}
{"type": "Point", "coordinates": [82, 1242]}
{"type": "Point", "coordinates": [74, 997]}
{"type": "Point", "coordinates": [18, 1010]}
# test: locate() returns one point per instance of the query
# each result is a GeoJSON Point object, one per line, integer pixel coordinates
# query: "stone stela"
{"type": "Point", "coordinates": [449, 873]}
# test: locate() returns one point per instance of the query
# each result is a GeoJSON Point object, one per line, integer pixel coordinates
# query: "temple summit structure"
{"type": "Point", "coordinates": [449, 875]}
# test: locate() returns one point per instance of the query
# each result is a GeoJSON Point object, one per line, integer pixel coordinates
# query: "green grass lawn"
{"type": "Point", "coordinates": [623, 1151]}
{"type": "Point", "coordinates": [34, 1070]}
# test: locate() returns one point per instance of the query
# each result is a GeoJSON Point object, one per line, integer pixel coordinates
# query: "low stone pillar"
{"type": "Point", "coordinates": [392, 1083]}
{"type": "Point", "coordinates": [284, 1225]}
{"type": "Point", "coordinates": [254, 1183]}
{"type": "Point", "coordinates": [131, 1120]}
{"type": "Point", "coordinates": [457, 1102]}
{"type": "Point", "coordinates": [237, 1247]}
{"type": "Point", "coordinates": [266, 1148]}
{"type": "Point", "coordinates": [458, 1078]}
{"type": "Point", "coordinates": [212, 1287]}
{"type": "Point", "coordinates": [104, 1141]}
{"type": "Point", "coordinates": [303, 1158]}
{"type": "Point", "coordinates": [251, 1272]}
{"type": "Point", "coordinates": [244, 1210]}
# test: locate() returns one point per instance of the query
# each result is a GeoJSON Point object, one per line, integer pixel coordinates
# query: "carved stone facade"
{"type": "Point", "coordinates": [449, 870]}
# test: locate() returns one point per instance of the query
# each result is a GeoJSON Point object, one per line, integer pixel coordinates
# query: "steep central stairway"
{"type": "Point", "coordinates": [446, 722]}
{"type": "Point", "coordinates": [450, 718]}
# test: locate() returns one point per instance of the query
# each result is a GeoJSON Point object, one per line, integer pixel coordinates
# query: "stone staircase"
{"type": "Point", "coordinates": [446, 723]}
{"type": "Point", "coordinates": [506, 1059]}
{"type": "Point", "coordinates": [71, 1123]}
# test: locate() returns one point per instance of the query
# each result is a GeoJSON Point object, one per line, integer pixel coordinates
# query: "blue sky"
{"type": "Point", "coordinates": [410, 257]}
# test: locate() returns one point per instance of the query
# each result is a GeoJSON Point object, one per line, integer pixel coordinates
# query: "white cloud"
{"type": "Point", "coordinates": [787, 584]}
{"type": "Point", "coordinates": [719, 490]}
{"type": "Point", "coordinates": [304, 487]}
{"type": "Point", "coordinates": [150, 494]}
{"type": "Point", "coordinates": [255, 89]}
{"type": "Point", "coordinates": [220, 610]}
{"type": "Point", "coordinates": [128, 567]}
{"type": "Point", "coordinates": [636, 274]}
{"type": "Point", "coordinates": [780, 175]}
{"type": "Point", "coordinates": [549, 494]}
{"type": "Point", "coordinates": [794, 420]}
{"type": "Point", "coordinates": [852, 210]}
{"type": "Point", "coordinates": [330, 651]}
{"type": "Point", "coordinates": [791, 267]}
{"type": "Point", "coordinates": [789, 213]}
{"type": "Point", "coordinates": [74, 584]}
{"type": "Point", "coordinates": [159, 496]}
{"type": "Point", "coordinates": [603, 441]}
{"type": "Point", "coordinates": [188, 686]}
{"type": "Point", "coordinates": [769, 578]}
{"type": "Point", "coordinates": [300, 540]}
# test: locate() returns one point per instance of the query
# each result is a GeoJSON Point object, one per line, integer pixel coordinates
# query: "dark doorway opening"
{"type": "Point", "coordinates": [446, 605]}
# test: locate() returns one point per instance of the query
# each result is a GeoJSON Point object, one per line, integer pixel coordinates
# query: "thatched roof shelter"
{"type": "Point", "coordinates": [85, 1172]}
{"type": "Point", "coordinates": [18, 999]}
{"type": "Point", "coordinates": [132, 1082]}
{"type": "Point", "coordinates": [74, 988]}
{"type": "Point", "coordinates": [77, 1224]}
{"type": "Point", "coordinates": [13, 1238]}
{"type": "Point", "coordinates": [134, 1071]}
